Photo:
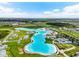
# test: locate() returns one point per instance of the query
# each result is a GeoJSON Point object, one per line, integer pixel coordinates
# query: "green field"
{"type": "Point", "coordinates": [15, 49]}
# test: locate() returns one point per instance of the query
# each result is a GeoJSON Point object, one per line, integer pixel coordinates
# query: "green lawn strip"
{"type": "Point", "coordinates": [69, 33]}
{"type": "Point", "coordinates": [76, 34]}
{"type": "Point", "coordinates": [73, 36]}
{"type": "Point", "coordinates": [63, 46]}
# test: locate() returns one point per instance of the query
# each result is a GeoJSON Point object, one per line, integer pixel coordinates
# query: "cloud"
{"type": "Point", "coordinates": [4, 2]}
{"type": "Point", "coordinates": [47, 12]}
{"type": "Point", "coordinates": [67, 12]}
{"type": "Point", "coordinates": [56, 10]}
{"type": "Point", "coordinates": [11, 12]}
{"type": "Point", "coordinates": [50, 12]}
{"type": "Point", "coordinates": [71, 11]}
{"type": "Point", "coordinates": [6, 10]}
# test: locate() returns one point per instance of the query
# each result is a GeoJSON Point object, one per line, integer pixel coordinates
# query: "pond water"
{"type": "Point", "coordinates": [38, 45]}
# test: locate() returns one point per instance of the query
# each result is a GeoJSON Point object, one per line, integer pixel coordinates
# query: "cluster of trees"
{"type": "Point", "coordinates": [34, 26]}
{"type": "Point", "coordinates": [61, 24]}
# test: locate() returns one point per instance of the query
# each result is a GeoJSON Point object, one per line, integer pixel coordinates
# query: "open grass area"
{"type": "Point", "coordinates": [13, 50]}
{"type": "Point", "coordinates": [72, 52]}
{"type": "Point", "coordinates": [4, 33]}
{"type": "Point", "coordinates": [60, 55]}
{"type": "Point", "coordinates": [17, 50]}
{"type": "Point", "coordinates": [49, 41]}
{"type": "Point", "coordinates": [7, 27]}
{"type": "Point", "coordinates": [21, 33]}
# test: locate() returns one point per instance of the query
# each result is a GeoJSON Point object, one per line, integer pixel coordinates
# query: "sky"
{"type": "Point", "coordinates": [39, 9]}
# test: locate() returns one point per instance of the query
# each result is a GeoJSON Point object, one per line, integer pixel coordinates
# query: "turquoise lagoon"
{"type": "Point", "coordinates": [38, 44]}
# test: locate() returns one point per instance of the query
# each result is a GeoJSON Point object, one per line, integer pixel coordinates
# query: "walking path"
{"type": "Point", "coordinates": [69, 49]}
{"type": "Point", "coordinates": [62, 51]}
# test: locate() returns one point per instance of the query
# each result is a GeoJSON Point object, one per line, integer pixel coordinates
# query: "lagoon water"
{"type": "Point", "coordinates": [38, 45]}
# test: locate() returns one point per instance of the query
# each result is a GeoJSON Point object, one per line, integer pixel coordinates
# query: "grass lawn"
{"type": "Point", "coordinates": [63, 46]}
{"type": "Point", "coordinates": [60, 55]}
{"type": "Point", "coordinates": [49, 41]}
{"type": "Point", "coordinates": [69, 33]}
{"type": "Point", "coordinates": [4, 33]}
{"type": "Point", "coordinates": [72, 52]}
{"type": "Point", "coordinates": [14, 48]}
